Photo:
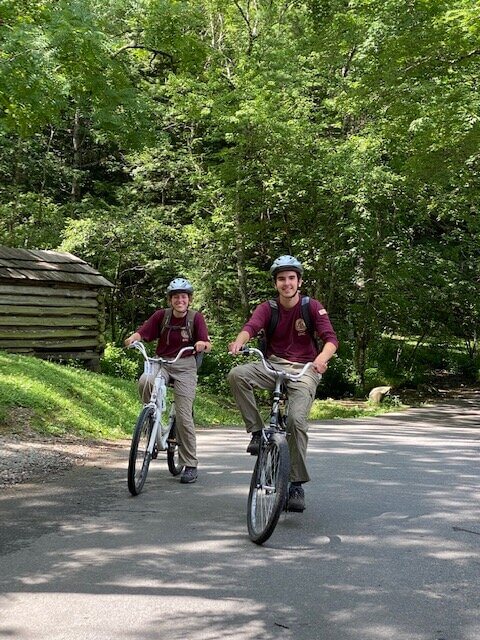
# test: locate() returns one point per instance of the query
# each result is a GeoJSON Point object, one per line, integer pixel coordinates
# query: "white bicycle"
{"type": "Point", "coordinates": [155, 429]}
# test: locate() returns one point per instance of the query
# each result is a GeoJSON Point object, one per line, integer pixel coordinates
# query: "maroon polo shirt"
{"type": "Point", "coordinates": [291, 339]}
{"type": "Point", "coordinates": [175, 338]}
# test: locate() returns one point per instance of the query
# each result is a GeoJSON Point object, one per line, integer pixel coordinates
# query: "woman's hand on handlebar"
{"type": "Point", "coordinates": [135, 337]}
{"type": "Point", "coordinates": [202, 345]}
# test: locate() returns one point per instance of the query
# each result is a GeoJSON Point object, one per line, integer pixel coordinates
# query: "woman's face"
{"type": "Point", "coordinates": [180, 302]}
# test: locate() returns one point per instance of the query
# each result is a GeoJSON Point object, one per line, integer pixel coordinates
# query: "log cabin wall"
{"type": "Point", "coordinates": [51, 306]}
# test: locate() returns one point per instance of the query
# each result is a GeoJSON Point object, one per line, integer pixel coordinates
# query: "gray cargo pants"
{"type": "Point", "coordinates": [301, 394]}
{"type": "Point", "coordinates": [184, 376]}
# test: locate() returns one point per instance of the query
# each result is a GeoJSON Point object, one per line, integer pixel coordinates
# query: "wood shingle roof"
{"type": "Point", "coordinates": [47, 266]}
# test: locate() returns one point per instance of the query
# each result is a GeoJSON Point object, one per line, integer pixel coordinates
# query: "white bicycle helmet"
{"type": "Point", "coordinates": [179, 285]}
{"type": "Point", "coordinates": [286, 263]}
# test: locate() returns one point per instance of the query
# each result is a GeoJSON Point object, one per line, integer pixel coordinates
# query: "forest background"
{"type": "Point", "coordinates": [157, 138]}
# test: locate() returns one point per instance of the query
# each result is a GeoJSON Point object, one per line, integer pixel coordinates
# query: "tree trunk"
{"type": "Point", "coordinates": [361, 346]}
{"type": "Point", "coordinates": [75, 192]}
{"type": "Point", "coordinates": [242, 276]}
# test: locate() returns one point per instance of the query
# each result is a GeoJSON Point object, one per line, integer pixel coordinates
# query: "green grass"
{"type": "Point", "coordinates": [63, 400]}
{"type": "Point", "coordinates": [59, 400]}
{"type": "Point", "coordinates": [330, 410]}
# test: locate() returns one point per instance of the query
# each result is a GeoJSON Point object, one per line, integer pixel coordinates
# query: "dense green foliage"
{"type": "Point", "coordinates": [204, 138]}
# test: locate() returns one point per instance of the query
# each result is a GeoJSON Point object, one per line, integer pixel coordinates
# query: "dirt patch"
{"type": "Point", "coordinates": [22, 459]}
{"type": "Point", "coordinates": [26, 455]}
{"type": "Point", "coordinates": [443, 387]}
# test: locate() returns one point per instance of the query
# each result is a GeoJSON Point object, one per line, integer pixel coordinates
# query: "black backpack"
{"type": "Point", "coordinates": [264, 336]}
{"type": "Point", "coordinates": [189, 318]}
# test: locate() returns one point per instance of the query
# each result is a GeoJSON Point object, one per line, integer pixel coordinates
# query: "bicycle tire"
{"type": "Point", "coordinates": [139, 459]}
{"type": "Point", "coordinates": [268, 488]}
{"type": "Point", "coordinates": [174, 465]}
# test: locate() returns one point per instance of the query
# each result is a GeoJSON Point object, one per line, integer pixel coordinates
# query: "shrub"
{"type": "Point", "coordinates": [213, 372]}
{"type": "Point", "coordinates": [464, 366]}
{"type": "Point", "coordinates": [119, 363]}
{"type": "Point", "coordinates": [338, 381]}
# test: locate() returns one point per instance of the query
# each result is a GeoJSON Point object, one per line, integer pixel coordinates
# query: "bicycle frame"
{"type": "Point", "coordinates": [158, 397]}
{"type": "Point", "coordinates": [278, 393]}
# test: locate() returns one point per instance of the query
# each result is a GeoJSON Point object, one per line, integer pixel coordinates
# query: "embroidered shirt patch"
{"type": "Point", "coordinates": [300, 325]}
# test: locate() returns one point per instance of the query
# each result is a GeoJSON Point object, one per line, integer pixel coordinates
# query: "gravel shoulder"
{"type": "Point", "coordinates": [26, 456]}
{"type": "Point", "coordinates": [26, 460]}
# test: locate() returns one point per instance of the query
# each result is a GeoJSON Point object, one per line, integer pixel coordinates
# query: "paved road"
{"type": "Point", "coordinates": [388, 548]}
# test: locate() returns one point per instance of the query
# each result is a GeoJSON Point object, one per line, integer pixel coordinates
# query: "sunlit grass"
{"type": "Point", "coordinates": [65, 400]}
{"type": "Point", "coordinates": [62, 400]}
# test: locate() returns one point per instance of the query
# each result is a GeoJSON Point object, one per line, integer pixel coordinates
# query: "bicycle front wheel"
{"type": "Point", "coordinates": [173, 462]}
{"type": "Point", "coordinates": [139, 459]}
{"type": "Point", "coordinates": [268, 488]}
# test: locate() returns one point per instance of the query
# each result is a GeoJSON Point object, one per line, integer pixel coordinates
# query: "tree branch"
{"type": "Point", "coordinates": [156, 52]}
{"type": "Point", "coordinates": [424, 61]}
{"type": "Point", "coordinates": [346, 66]}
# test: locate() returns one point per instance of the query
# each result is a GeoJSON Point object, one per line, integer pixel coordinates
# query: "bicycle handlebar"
{"type": "Point", "coordinates": [246, 351]}
{"type": "Point", "coordinates": [139, 346]}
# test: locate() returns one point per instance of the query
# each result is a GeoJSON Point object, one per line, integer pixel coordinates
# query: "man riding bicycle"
{"type": "Point", "coordinates": [290, 344]}
{"type": "Point", "coordinates": [174, 328]}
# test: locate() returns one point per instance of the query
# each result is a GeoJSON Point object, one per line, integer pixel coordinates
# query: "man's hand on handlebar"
{"type": "Point", "coordinates": [320, 366]}
{"type": "Point", "coordinates": [235, 347]}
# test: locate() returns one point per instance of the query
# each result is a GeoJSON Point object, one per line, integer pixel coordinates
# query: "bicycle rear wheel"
{"type": "Point", "coordinates": [173, 462]}
{"type": "Point", "coordinates": [139, 459]}
{"type": "Point", "coordinates": [268, 488]}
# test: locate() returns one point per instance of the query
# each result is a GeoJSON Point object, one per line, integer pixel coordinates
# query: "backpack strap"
{"type": "Point", "coordinates": [191, 313]}
{"type": "Point", "coordinates": [167, 317]}
{"type": "Point", "coordinates": [307, 318]}
{"type": "Point", "coordinates": [264, 335]}
{"type": "Point", "coordinates": [189, 320]}
{"type": "Point", "coordinates": [274, 314]}
{"type": "Point", "coordinates": [306, 315]}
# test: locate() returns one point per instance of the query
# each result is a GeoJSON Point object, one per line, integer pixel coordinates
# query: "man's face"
{"type": "Point", "coordinates": [180, 302]}
{"type": "Point", "coordinates": [287, 283]}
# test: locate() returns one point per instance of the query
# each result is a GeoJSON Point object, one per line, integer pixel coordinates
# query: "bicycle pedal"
{"type": "Point", "coordinates": [155, 453]}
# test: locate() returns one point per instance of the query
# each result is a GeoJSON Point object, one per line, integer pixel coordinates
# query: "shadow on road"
{"type": "Point", "coordinates": [387, 548]}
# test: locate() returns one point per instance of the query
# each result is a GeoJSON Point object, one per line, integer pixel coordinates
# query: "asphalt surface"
{"type": "Point", "coordinates": [388, 548]}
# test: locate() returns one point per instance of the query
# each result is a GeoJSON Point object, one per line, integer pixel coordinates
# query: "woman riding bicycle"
{"type": "Point", "coordinates": [174, 328]}
{"type": "Point", "coordinates": [290, 345]}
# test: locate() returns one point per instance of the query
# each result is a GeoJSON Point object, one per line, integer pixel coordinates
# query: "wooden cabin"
{"type": "Point", "coordinates": [51, 306]}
